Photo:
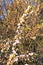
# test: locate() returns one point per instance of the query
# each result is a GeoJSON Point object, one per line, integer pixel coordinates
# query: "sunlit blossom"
{"type": "Point", "coordinates": [19, 37]}
{"type": "Point", "coordinates": [18, 24]}
{"type": "Point", "coordinates": [2, 50]}
{"type": "Point", "coordinates": [17, 31]}
{"type": "Point", "coordinates": [26, 64]}
{"type": "Point", "coordinates": [31, 54]}
{"type": "Point", "coordinates": [14, 43]}
{"type": "Point", "coordinates": [24, 15]}
{"type": "Point", "coordinates": [14, 51]}
{"type": "Point", "coordinates": [27, 9]}
{"type": "Point", "coordinates": [12, 48]}
{"type": "Point", "coordinates": [15, 59]}
{"type": "Point", "coordinates": [21, 31]}
{"type": "Point", "coordinates": [31, 12]}
{"type": "Point", "coordinates": [18, 27]}
{"type": "Point", "coordinates": [7, 43]}
{"type": "Point", "coordinates": [17, 41]}
{"type": "Point", "coordinates": [21, 20]}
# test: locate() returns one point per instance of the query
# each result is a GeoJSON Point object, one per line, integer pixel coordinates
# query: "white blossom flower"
{"type": "Point", "coordinates": [15, 59]}
{"type": "Point", "coordinates": [17, 31]}
{"type": "Point", "coordinates": [31, 12]}
{"type": "Point", "coordinates": [20, 31]}
{"type": "Point", "coordinates": [18, 27]}
{"type": "Point", "coordinates": [27, 55]}
{"type": "Point", "coordinates": [15, 37]}
{"type": "Point", "coordinates": [33, 37]}
{"type": "Point", "coordinates": [25, 1]}
{"type": "Point", "coordinates": [19, 37]}
{"type": "Point", "coordinates": [31, 54]}
{"type": "Point", "coordinates": [12, 48]}
{"type": "Point", "coordinates": [14, 44]}
{"type": "Point", "coordinates": [8, 63]}
{"type": "Point", "coordinates": [14, 51]}
{"type": "Point", "coordinates": [24, 15]}
{"type": "Point", "coordinates": [17, 41]}
{"type": "Point", "coordinates": [1, 50]}
{"type": "Point", "coordinates": [11, 55]}
{"type": "Point", "coordinates": [22, 56]}
{"type": "Point", "coordinates": [18, 24]}
{"type": "Point", "coordinates": [26, 64]}
{"type": "Point", "coordinates": [7, 43]}
{"type": "Point", "coordinates": [21, 21]}
{"type": "Point", "coordinates": [28, 8]}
